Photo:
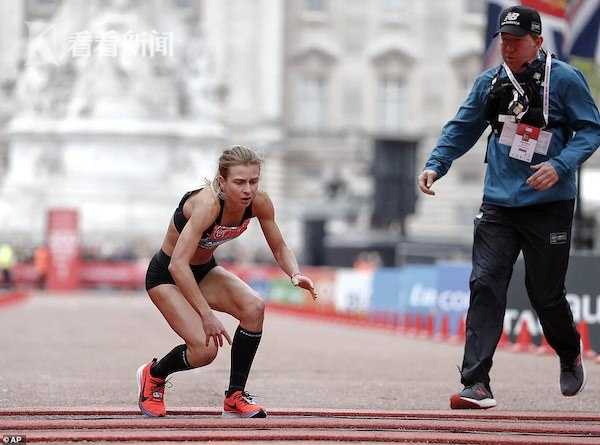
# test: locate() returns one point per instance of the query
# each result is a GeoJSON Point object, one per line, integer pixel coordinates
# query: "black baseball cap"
{"type": "Point", "coordinates": [520, 21]}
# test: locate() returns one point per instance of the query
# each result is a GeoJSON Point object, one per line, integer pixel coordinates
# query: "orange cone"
{"type": "Point", "coordinates": [418, 324]}
{"type": "Point", "coordinates": [429, 326]}
{"type": "Point", "coordinates": [459, 336]}
{"type": "Point", "coordinates": [444, 331]}
{"type": "Point", "coordinates": [409, 328]}
{"type": "Point", "coordinates": [523, 343]}
{"type": "Point", "coordinates": [504, 341]}
{"type": "Point", "coordinates": [584, 332]}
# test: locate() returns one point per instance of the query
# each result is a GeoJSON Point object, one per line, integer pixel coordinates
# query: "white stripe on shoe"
{"type": "Point", "coordinates": [484, 403]}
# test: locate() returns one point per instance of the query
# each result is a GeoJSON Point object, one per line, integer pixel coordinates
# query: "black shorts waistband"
{"type": "Point", "coordinates": [158, 270]}
{"type": "Point", "coordinates": [165, 260]}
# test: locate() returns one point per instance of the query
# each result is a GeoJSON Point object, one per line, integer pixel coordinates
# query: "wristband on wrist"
{"type": "Point", "coordinates": [294, 275]}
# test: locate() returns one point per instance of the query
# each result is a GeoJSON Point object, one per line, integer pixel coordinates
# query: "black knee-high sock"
{"type": "Point", "coordinates": [243, 349]}
{"type": "Point", "coordinates": [174, 361]}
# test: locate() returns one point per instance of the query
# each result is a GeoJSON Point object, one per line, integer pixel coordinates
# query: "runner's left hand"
{"type": "Point", "coordinates": [305, 283]}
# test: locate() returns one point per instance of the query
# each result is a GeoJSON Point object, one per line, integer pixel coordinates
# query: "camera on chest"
{"type": "Point", "coordinates": [504, 98]}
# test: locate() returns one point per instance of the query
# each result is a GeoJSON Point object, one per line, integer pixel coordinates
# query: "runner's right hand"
{"type": "Point", "coordinates": [213, 328]}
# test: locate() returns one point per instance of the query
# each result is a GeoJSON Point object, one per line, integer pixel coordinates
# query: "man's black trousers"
{"type": "Point", "coordinates": [543, 233]}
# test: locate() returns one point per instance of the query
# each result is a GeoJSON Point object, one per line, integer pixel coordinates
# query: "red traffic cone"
{"type": "Point", "coordinates": [504, 341]}
{"type": "Point", "coordinates": [419, 326]}
{"type": "Point", "coordinates": [459, 335]}
{"type": "Point", "coordinates": [584, 332]}
{"type": "Point", "coordinates": [409, 328]}
{"type": "Point", "coordinates": [427, 330]}
{"type": "Point", "coordinates": [523, 343]}
{"type": "Point", "coordinates": [444, 330]}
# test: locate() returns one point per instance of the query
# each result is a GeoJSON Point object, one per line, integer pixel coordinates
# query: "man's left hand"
{"type": "Point", "coordinates": [545, 176]}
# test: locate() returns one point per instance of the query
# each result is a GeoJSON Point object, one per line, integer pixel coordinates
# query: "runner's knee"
{"type": "Point", "coordinates": [199, 354]}
{"type": "Point", "coordinates": [254, 309]}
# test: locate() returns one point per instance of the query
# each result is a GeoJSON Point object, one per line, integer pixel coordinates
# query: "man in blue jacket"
{"type": "Point", "coordinates": [544, 126]}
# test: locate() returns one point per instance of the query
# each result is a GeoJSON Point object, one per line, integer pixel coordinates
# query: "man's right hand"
{"type": "Point", "coordinates": [214, 329]}
{"type": "Point", "coordinates": [426, 180]}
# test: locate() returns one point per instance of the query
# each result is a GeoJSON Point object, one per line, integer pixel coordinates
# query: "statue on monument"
{"type": "Point", "coordinates": [91, 63]}
{"type": "Point", "coordinates": [200, 85]}
{"type": "Point", "coordinates": [114, 79]}
{"type": "Point", "coordinates": [34, 93]}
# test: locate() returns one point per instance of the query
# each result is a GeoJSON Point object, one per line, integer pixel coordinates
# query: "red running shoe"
{"type": "Point", "coordinates": [151, 392]}
{"type": "Point", "coordinates": [241, 404]}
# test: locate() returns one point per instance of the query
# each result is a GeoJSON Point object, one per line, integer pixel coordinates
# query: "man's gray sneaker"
{"type": "Point", "coordinates": [476, 396]}
{"type": "Point", "coordinates": [572, 376]}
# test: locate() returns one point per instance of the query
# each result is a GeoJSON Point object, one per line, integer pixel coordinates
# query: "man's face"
{"type": "Point", "coordinates": [517, 51]}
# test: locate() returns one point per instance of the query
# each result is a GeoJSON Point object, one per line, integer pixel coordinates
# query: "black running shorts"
{"type": "Point", "coordinates": [158, 270]}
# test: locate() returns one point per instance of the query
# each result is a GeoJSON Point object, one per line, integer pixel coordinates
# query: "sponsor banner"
{"type": "Point", "coordinates": [418, 294]}
{"type": "Point", "coordinates": [281, 290]}
{"type": "Point", "coordinates": [518, 309]}
{"type": "Point", "coordinates": [121, 274]}
{"type": "Point", "coordinates": [583, 291]}
{"type": "Point", "coordinates": [258, 278]}
{"type": "Point", "coordinates": [453, 294]}
{"type": "Point", "coordinates": [324, 281]}
{"type": "Point", "coordinates": [353, 290]}
{"type": "Point", "coordinates": [63, 247]}
{"type": "Point", "coordinates": [583, 294]}
{"type": "Point", "coordinates": [441, 290]}
{"type": "Point", "coordinates": [25, 273]}
{"type": "Point", "coordinates": [386, 290]}
{"type": "Point", "coordinates": [274, 285]}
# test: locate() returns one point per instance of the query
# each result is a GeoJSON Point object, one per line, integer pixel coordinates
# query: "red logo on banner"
{"type": "Point", "coordinates": [63, 247]}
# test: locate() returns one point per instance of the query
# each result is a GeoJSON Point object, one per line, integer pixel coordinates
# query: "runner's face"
{"type": "Point", "coordinates": [518, 51]}
{"type": "Point", "coordinates": [241, 184]}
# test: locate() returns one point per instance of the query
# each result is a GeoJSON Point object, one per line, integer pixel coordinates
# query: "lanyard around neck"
{"type": "Point", "coordinates": [519, 88]}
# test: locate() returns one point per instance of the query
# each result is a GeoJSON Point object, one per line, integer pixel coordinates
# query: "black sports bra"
{"type": "Point", "coordinates": [216, 234]}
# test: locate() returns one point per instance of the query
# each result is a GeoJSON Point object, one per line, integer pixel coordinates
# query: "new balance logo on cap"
{"type": "Point", "coordinates": [520, 21]}
{"type": "Point", "coordinates": [511, 17]}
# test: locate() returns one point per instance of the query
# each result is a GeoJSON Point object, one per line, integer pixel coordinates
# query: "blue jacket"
{"type": "Point", "coordinates": [571, 105]}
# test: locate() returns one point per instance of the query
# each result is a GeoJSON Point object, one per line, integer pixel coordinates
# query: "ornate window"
{"type": "Point", "coordinates": [311, 101]}
{"type": "Point", "coordinates": [310, 77]}
{"type": "Point", "coordinates": [392, 68]}
{"type": "Point", "coordinates": [392, 109]}
{"type": "Point", "coordinates": [466, 66]}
